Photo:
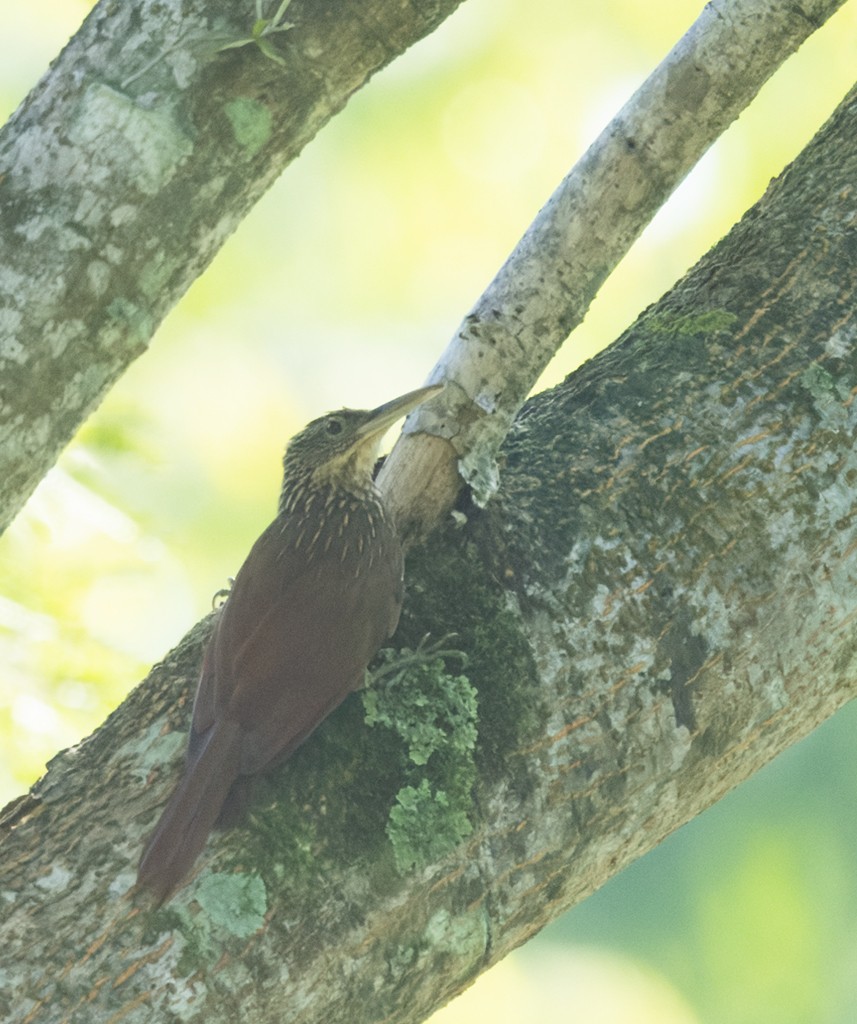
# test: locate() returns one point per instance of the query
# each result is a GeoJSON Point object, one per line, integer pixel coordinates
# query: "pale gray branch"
{"type": "Point", "coordinates": [548, 282]}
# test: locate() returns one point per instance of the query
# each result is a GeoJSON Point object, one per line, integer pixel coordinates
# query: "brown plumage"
{"type": "Point", "coordinates": [316, 597]}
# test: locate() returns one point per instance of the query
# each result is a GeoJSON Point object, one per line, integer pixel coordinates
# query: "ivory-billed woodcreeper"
{"type": "Point", "coordinates": [316, 597]}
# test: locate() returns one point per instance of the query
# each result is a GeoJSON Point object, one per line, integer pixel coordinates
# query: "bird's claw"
{"type": "Point", "coordinates": [393, 662]}
{"type": "Point", "coordinates": [220, 597]}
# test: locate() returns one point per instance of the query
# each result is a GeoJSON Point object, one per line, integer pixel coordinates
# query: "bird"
{"type": "Point", "coordinates": [316, 597]}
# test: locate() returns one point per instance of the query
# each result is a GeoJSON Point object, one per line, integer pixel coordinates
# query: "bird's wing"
{"type": "Point", "coordinates": [292, 640]}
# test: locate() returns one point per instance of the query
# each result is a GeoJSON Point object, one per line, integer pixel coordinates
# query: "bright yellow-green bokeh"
{"type": "Point", "coordinates": [774, 965]}
{"type": "Point", "coordinates": [586, 985]}
{"type": "Point", "coordinates": [342, 287]}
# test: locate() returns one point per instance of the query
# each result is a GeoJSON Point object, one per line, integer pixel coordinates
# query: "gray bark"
{"type": "Point", "coordinates": [126, 169]}
{"type": "Point", "coordinates": [660, 598]}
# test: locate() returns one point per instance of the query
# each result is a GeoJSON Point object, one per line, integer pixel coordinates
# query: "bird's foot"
{"type": "Point", "coordinates": [392, 662]}
{"type": "Point", "coordinates": [222, 595]}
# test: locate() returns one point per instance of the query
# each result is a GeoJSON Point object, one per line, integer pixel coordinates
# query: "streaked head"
{"type": "Point", "coordinates": [342, 446]}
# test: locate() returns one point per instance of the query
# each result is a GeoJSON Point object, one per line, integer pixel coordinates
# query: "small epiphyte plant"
{"type": "Point", "coordinates": [262, 29]}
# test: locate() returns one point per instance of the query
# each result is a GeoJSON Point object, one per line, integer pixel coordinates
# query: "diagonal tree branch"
{"type": "Point", "coordinates": [126, 169]}
{"type": "Point", "coordinates": [588, 225]}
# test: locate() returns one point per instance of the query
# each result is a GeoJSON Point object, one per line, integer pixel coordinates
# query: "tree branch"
{"type": "Point", "coordinates": [126, 169]}
{"type": "Point", "coordinates": [545, 287]}
{"type": "Point", "coordinates": [660, 599]}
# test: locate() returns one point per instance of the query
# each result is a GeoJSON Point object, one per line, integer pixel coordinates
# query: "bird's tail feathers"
{"type": "Point", "coordinates": [192, 810]}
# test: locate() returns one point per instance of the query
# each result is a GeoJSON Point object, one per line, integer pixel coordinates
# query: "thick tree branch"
{"type": "Point", "coordinates": [661, 598]}
{"type": "Point", "coordinates": [590, 222]}
{"type": "Point", "coordinates": [126, 169]}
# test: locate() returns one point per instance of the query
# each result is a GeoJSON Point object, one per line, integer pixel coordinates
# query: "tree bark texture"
{"type": "Point", "coordinates": [661, 597]}
{"type": "Point", "coordinates": [127, 168]}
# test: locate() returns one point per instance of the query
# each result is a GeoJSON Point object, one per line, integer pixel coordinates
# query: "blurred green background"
{"type": "Point", "coordinates": [342, 288]}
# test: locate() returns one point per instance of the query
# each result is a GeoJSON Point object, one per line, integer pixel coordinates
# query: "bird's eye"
{"type": "Point", "coordinates": [334, 427]}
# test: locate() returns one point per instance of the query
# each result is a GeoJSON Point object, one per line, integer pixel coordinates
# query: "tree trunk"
{"type": "Point", "coordinates": [660, 598]}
